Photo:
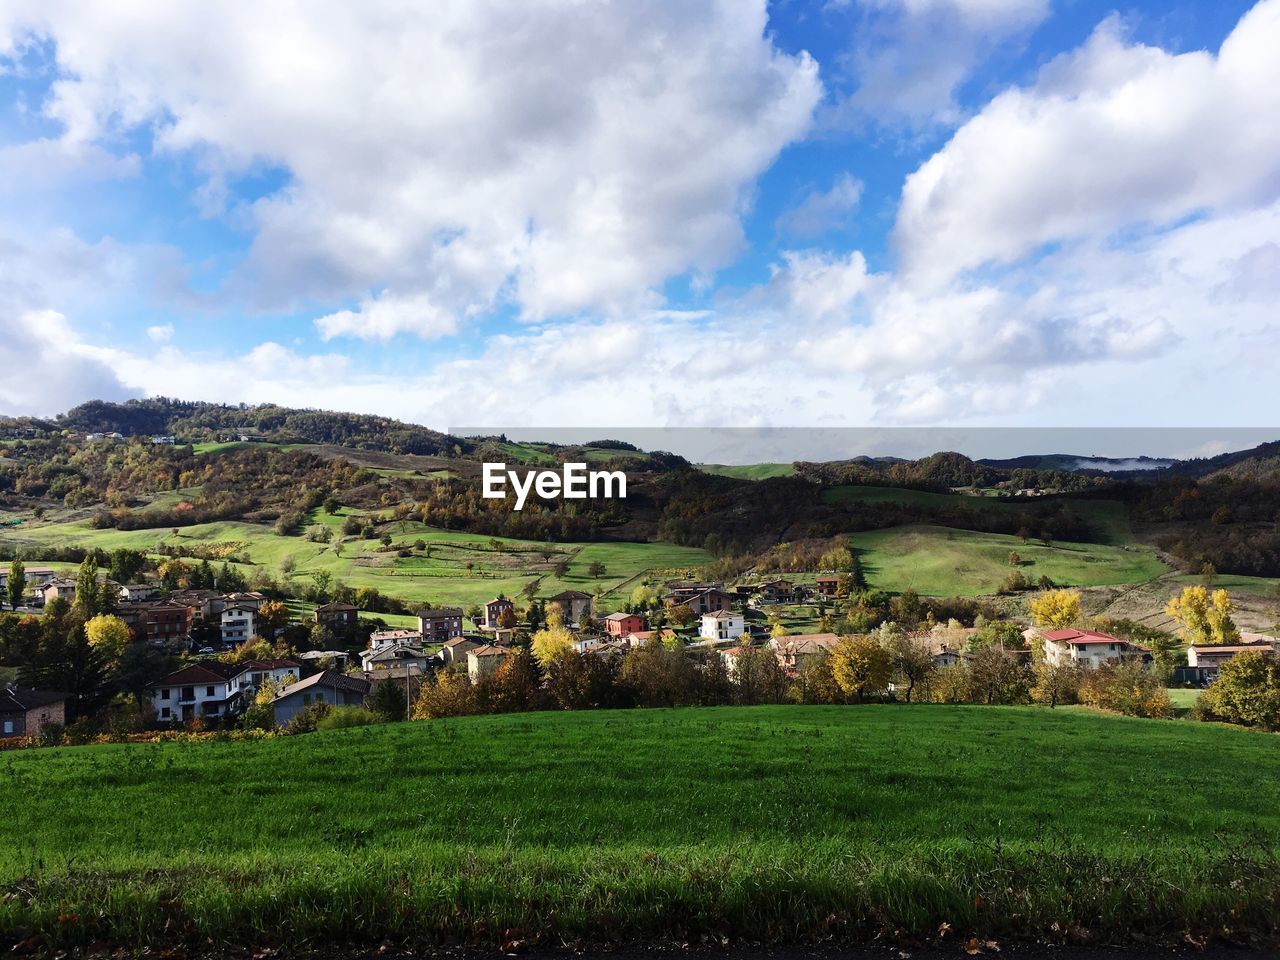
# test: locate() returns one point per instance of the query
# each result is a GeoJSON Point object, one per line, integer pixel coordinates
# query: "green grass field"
{"type": "Point", "coordinates": [770, 823]}
{"type": "Point", "coordinates": [749, 471]}
{"type": "Point", "coordinates": [942, 561]}
{"type": "Point", "coordinates": [462, 568]}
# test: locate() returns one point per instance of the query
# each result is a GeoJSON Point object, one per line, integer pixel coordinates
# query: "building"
{"type": "Point", "coordinates": [722, 625]}
{"type": "Point", "coordinates": [204, 604]}
{"type": "Point", "coordinates": [237, 623]}
{"type": "Point", "coordinates": [639, 638]}
{"type": "Point", "coordinates": [456, 650]}
{"type": "Point", "coordinates": [396, 654]}
{"type": "Point", "coordinates": [485, 660]}
{"type": "Point", "coordinates": [574, 606]}
{"type": "Point", "coordinates": [1088, 648]}
{"type": "Point", "coordinates": [1207, 659]}
{"type": "Point", "coordinates": [251, 600]}
{"type": "Point", "coordinates": [335, 689]}
{"type": "Point", "coordinates": [700, 598]}
{"type": "Point", "coordinates": [795, 651]}
{"type": "Point", "coordinates": [158, 621]}
{"type": "Point", "coordinates": [340, 616]}
{"type": "Point", "coordinates": [335, 658]}
{"type": "Point", "coordinates": [210, 690]}
{"type": "Point", "coordinates": [254, 673]}
{"type": "Point", "coordinates": [385, 638]}
{"type": "Point", "coordinates": [24, 713]}
{"type": "Point", "coordinates": [35, 576]}
{"type": "Point", "coordinates": [775, 591]}
{"type": "Point", "coordinates": [58, 587]}
{"type": "Point", "coordinates": [495, 611]}
{"type": "Point", "coordinates": [440, 624]}
{"type": "Point", "coordinates": [134, 592]}
{"type": "Point", "coordinates": [828, 586]}
{"type": "Point", "coordinates": [620, 624]}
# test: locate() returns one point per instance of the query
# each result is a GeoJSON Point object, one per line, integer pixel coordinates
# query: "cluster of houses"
{"type": "Point", "coordinates": [214, 690]}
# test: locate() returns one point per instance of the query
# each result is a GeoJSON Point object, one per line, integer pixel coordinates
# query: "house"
{"type": "Point", "coordinates": [1207, 659]}
{"type": "Point", "coordinates": [945, 655]}
{"type": "Point", "coordinates": [204, 604]}
{"type": "Point", "coordinates": [35, 576]}
{"type": "Point", "coordinates": [730, 655]}
{"type": "Point", "coordinates": [1088, 648]}
{"type": "Point", "coordinates": [335, 689]}
{"type": "Point", "coordinates": [828, 587]}
{"type": "Point", "coordinates": [158, 621]}
{"type": "Point", "coordinates": [639, 638]}
{"type": "Point", "coordinates": [164, 440]}
{"type": "Point", "coordinates": [775, 591]}
{"type": "Point", "coordinates": [456, 650]}
{"type": "Point", "coordinates": [254, 673]}
{"type": "Point", "coordinates": [135, 592]}
{"type": "Point", "coordinates": [58, 587]}
{"type": "Point", "coordinates": [337, 658]}
{"type": "Point", "coordinates": [485, 660]}
{"type": "Point", "coordinates": [204, 690]}
{"type": "Point", "coordinates": [795, 651]}
{"type": "Point", "coordinates": [237, 623]}
{"type": "Point", "coordinates": [620, 624]}
{"type": "Point", "coordinates": [700, 600]}
{"type": "Point", "coordinates": [252, 600]}
{"type": "Point", "coordinates": [722, 625]}
{"type": "Point", "coordinates": [495, 611]}
{"type": "Point", "coordinates": [385, 638]}
{"type": "Point", "coordinates": [407, 656]}
{"type": "Point", "coordinates": [24, 713]}
{"type": "Point", "coordinates": [574, 605]}
{"type": "Point", "coordinates": [339, 616]}
{"type": "Point", "coordinates": [440, 624]}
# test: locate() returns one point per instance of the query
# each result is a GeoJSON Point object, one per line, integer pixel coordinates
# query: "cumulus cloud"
{"type": "Point", "coordinates": [567, 159]}
{"type": "Point", "coordinates": [160, 333]}
{"type": "Point", "coordinates": [909, 58]}
{"type": "Point", "coordinates": [1112, 135]}
{"type": "Point", "coordinates": [386, 315]}
{"type": "Point", "coordinates": [46, 368]}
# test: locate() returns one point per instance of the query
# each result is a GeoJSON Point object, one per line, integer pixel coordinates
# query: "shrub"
{"type": "Point", "coordinates": [1247, 692]}
{"type": "Point", "coordinates": [339, 718]}
{"type": "Point", "coordinates": [305, 720]}
{"type": "Point", "coordinates": [1127, 688]}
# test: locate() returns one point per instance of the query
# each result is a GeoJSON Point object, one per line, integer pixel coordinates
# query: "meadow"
{"type": "Point", "coordinates": [457, 568]}
{"type": "Point", "coordinates": [765, 823]}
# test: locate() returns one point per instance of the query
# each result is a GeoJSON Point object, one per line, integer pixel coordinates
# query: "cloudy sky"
{"type": "Point", "coordinates": [646, 212]}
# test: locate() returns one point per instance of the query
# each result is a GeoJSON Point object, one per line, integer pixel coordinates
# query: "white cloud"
{"type": "Point", "coordinates": [909, 58]}
{"type": "Point", "coordinates": [386, 315]}
{"type": "Point", "coordinates": [45, 368]}
{"type": "Point", "coordinates": [822, 210]}
{"type": "Point", "coordinates": [160, 333]}
{"type": "Point", "coordinates": [1112, 135]}
{"type": "Point", "coordinates": [568, 157]}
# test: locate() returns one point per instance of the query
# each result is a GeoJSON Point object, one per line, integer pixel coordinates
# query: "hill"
{"type": "Point", "coordinates": [770, 823]}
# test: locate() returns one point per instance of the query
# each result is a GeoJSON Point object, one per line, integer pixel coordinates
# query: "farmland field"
{"type": "Point", "coordinates": [457, 568]}
{"type": "Point", "coordinates": [772, 823]}
{"type": "Point", "coordinates": [749, 471]}
{"type": "Point", "coordinates": [942, 561]}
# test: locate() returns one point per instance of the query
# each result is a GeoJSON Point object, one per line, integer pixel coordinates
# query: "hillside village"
{"type": "Point", "coordinates": [199, 659]}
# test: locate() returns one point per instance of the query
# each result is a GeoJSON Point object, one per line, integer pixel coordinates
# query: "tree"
{"type": "Point", "coordinates": [88, 601]}
{"type": "Point", "coordinates": [450, 696]}
{"type": "Point", "coordinates": [861, 666]}
{"type": "Point", "coordinates": [1056, 683]}
{"type": "Point", "coordinates": [552, 640]}
{"type": "Point", "coordinates": [1204, 618]}
{"type": "Point", "coordinates": [911, 657]}
{"type": "Point", "coordinates": [272, 617]}
{"type": "Point", "coordinates": [998, 676]}
{"type": "Point", "coordinates": [758, 677]}
{"type": "Point", "coordinates": [1055, 609]}
{"type": "Point", "coordinates": [17, 584]}
{"type": "Point", "coordinates": [596, 570]}
{"type": "Point", "coordinates": [1247, 692]}
{"type": "Point", "coordinates": [108, 636]}
{"type": "Point", "coordinates": [387, 700]}
{"type": "Point", "coordinates": [681, 615]}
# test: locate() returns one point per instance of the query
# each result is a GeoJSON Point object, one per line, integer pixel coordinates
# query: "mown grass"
{"type": "Point", "coordinates": [944, 561]}
{"type": "Point", "coordinates": [749, 471]}
{"type": "Point", "coordinates": [782, 824]}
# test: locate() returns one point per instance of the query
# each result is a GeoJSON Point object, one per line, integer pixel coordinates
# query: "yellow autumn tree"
{"type": "Point", "coordinates": [552, 639]}
{"type": "Point", "coordinates": [108, 635]}
{"type": "Point", "coordinates": [1055, 609]}
{"type": "Point", "coordinates": [1204, 617]}
{"type": "Point", "coordinates": [861, 666]}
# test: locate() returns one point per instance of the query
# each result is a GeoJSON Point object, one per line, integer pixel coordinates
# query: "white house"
{"type": "Point", "coordinates": [723, 625]}
{"type": "Point", "coordinates": [485, 660]}
{"type": "Point", "coordinates": [1088, 648]}
{"type": "Point", "coordinates": [1209, 658]}
{"type": "Point", "coordinates": [138, 591]}
{"type": "Point", "coordinates": [237, 623]}
{"type": "Point", "coordinates": [203, 690]}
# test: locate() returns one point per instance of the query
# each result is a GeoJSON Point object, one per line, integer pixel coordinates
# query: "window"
{"type": "Point", "coordinates": [164, 694]}
{"type": "Point", "coordinates": [164, 713]}
{"type": "Point", "coordinates": [8, 726]}
{"type": "Point", "coordinates": [208, 691]}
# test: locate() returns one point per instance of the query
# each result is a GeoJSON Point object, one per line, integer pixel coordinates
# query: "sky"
{"type": "Point", "coordinates": [646, 213]}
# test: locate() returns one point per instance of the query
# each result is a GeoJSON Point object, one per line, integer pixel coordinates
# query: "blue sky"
{"type": "Point", "coordinates": [719, 212]}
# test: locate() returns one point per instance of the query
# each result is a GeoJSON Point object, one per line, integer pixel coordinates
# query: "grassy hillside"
{"type": "Point", "coordinates": [787, 823]}
{"type": "Point", "coordinates": [749, 471]}
{"type": "Point", "coordinates": [458, 568]}
{"type": "Point", "coordinates": [941, 561]}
